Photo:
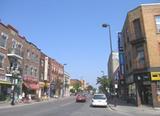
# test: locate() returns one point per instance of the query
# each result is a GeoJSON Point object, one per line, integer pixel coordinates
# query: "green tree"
{"type": "Point", "coordinates": [89, 88]}
{"type": "Point", "coordinates": [104, 83]}
{"type": "Point", "coordinates": [76, 87]}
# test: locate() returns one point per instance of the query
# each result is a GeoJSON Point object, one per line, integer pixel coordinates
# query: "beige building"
{"type": "Point", "coordinates": [141, 34]}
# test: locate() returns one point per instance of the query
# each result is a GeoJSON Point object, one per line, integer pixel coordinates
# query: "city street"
{"type": "Point", "coordinates": [67, 107]}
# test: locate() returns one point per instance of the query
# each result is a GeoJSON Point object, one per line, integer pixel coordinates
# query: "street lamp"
{"type": "Point", "coordinates": [15, 74]}
{"type": "Point", "coordinates": [110, 38]}
{"type": "Point", "coordinates": [64, 81]}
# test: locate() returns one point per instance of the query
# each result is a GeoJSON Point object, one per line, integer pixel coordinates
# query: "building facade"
{"type": "Point", "coordinates": [121, 73]}
{"type": "Point", "coordinates": [24, 69]}
{"type": "Point", "coordinates": [113, 65]}
{"type": "Point", "coordinates": [31, 64]}
{"type": "Point", "coordinates": [142, 53]}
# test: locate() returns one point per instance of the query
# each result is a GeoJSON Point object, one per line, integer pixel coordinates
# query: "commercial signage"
{"type": "Point", "coordinates": [155, 76]}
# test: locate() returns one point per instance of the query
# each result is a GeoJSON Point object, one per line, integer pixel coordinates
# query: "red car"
{"type": "Point", "coordinates": [80, 98]}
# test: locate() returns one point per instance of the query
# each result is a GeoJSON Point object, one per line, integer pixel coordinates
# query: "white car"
{"type": "Point", "coordinates": [99, 100]}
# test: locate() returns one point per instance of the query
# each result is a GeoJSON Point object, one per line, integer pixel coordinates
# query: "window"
{"type": "Point", "coordinates": [137, 28]}
{"type": "Point", "coordinates": [42, 63]}
{"type": "Point", "coordinates": [3, 40]}
{"type": "Point", "coordinates": [13, 43]}
{"type": "Point", "coordinates": [31, 71]}
{"type": "Point", "coordinates": [35, 71]}
{"type": "Point", "coordinates": [28, 54]}
{"type": "Point", "coordinates": [26, 69]}
{"type": "Point", "coordinates": [42, 77]}
{"type": "Point", "coordinates": [158, 88]}
{"type": "Point", "coordinates": [158, 23]}
{"type": "Point", "coordinates": [1, 60]}
{"type": "Point", "coordinates": [140, 54]}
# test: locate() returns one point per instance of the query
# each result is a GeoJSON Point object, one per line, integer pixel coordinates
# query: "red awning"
{"type": "Point", "coordinates": [31, 86]}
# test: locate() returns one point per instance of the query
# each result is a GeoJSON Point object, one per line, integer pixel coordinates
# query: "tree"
{"type": "Point", "coordinates": [76, 87]}
{"type": "Point", "coordinates": [104, 83]}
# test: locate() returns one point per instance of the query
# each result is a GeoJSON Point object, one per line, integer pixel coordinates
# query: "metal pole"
{"type": "Point", "coordinates": [110, 38]}
{"type": "Point", "coordinates": [13, 96]}
{"type": "Point", "coordinates": [64, 83]}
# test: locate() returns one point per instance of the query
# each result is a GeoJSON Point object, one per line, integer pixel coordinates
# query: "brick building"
{"type": "Point", "coordinates": [141, 34]}
{"type": "Point", "coordinates": [25, 68]}
{"type": "Point", "coordinates": [11, 56]}
{"type": "Point", "coordinates": [31, 64]}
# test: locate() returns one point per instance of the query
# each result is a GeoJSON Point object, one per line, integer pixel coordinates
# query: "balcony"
{"type": "Point", "coordinates": [10, 71]}
{"type": "Point", "coordinates": [137, 41]}
{"type": "Point", "coordinates": [138, 66]}
{"type": "Point", "coordinates": [16, 53]}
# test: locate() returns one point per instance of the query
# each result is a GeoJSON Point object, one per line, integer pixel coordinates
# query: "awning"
{"type": "Point", "coordinates": [41, 84]}
{"type": "Point", "coordinates": [31, 86]}
{"type": "Point", "coordinates": [5, 82]}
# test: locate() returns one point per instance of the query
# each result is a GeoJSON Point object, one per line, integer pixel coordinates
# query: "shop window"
{"type": "Point", "coordinates": [158, 91]}
{"type": "Point", "coordinates": [158, 88]}
{"type": "Point", "coordinates": [157, 18]}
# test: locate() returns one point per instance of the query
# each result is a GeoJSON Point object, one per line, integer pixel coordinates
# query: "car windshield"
{"type": "Point", "coordinates": [99, 97]}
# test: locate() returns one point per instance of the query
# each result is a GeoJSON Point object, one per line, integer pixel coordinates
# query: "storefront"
{"type": "Point", "coordinates": [30, 86]}
{"type": "Point", "coordinates": [155, 78]}
{"type": "Point", "coordinates": [5, 90]}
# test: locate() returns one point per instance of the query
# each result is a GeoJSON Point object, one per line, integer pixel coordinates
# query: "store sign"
{"type": "Point", "coordinates": [155, 76]}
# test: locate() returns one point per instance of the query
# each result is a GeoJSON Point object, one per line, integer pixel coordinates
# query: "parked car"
{"type": "Point", "coordinates": [80, 98]}
{"type": "Point", "coordinates": [99, 100]}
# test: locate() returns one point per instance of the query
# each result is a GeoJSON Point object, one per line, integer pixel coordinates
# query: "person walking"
{"type": "Point", "coordinates": [115, 99]}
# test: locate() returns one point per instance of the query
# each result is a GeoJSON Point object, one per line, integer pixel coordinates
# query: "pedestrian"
{"type": "Point", "coordinates": [115, 99]}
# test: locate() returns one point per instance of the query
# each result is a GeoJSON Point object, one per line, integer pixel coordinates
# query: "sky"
{"type": "Point", "coordinates": [70, 31]}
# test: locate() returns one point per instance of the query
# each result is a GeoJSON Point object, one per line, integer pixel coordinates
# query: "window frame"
{"type": "Point", "coordinates": [4, 56]}
{"type": "Point", "coordinates": [4, 34]}
{"type": "Point", "coordinates": [157, 30]}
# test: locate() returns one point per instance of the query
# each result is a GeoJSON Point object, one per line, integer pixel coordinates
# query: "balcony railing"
{"type": "Point", "coordinates": [10, 71]}
{"type": "Point", "coordinates": [138, 66]}
{"type": "Point", "coordinates": [14, 52]}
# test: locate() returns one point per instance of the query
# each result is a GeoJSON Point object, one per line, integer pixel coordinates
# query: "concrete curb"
{"type": "Point", "coordinates": [112, 108]}
{"type": "Point", "coordinates": [8, 105]}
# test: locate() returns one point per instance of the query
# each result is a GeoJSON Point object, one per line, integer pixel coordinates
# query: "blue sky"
{"type": "Point", "coordinates": [70, 30]}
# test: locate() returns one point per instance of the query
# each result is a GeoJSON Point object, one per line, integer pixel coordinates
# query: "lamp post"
{"type": "Point", "coordinates": [15, 74]}
{"type": "Point", "coordinates": [13, 93]}
{"type": "Point", "coordinates": [64, 81]}
{"type": "Point", "coordinates": [110, 38]}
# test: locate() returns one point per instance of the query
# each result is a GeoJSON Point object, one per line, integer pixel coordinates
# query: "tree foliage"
{"type": "Point", "coordinates": [104, 83]}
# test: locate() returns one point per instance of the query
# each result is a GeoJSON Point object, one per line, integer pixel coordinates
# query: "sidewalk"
{"type": "Point", "coordinates": [7, 104]}
{"type": "Point", "coordinates": [123, 106]}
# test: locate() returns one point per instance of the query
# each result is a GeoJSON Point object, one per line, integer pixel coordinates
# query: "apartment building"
{"type": "Point", "coordinates": [31, 64]}
{"type": "Point", "coordinates": [11, 60]}
{"type": "Point", "coordinates": [24, 68]}
{"type": "Point", "coordinates": [141, 35]}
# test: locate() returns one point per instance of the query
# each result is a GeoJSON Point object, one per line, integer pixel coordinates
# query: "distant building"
{"type": "Point", "coordinates": [113, 65]}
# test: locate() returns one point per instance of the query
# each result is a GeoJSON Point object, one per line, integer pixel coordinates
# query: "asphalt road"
{"type": "Point", "coordinates": [62, 107]}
